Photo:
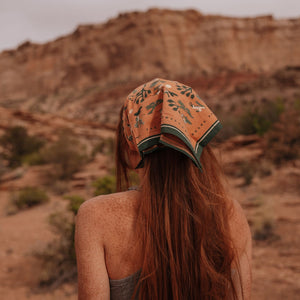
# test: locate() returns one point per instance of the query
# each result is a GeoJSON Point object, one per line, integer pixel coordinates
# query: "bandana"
{"type": "Point", "coordinates": [164, 113]}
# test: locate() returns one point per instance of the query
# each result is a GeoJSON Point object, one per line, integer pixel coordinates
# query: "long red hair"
{"type": "Point", "coordinates": [184, 227]}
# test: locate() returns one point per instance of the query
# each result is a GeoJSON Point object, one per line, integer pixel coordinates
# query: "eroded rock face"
{"type": "Point", "coordinates": [87, 73]}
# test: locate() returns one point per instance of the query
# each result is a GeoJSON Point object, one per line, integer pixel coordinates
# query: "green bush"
{"type": "Point", "coordinates": [35, 158]}
{"type": "Point", "coordinates": [17, 143]}
{"type": "Point", "coordinates": [28, 197]}
{"type": "Point", "coordinates": [75, 202]}
{"type": "Point", "coordinates": [67, 154]}
{"type": "Point", "coordinates": [259, 119]}
{"type": "Point", "coordinates": [105, 185]}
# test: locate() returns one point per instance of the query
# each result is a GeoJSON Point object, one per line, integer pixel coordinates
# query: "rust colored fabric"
{"type": "Point", "coordinates": [164, 113]}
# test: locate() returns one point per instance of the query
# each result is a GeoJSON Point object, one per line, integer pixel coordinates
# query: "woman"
{"type": "Point", "coordinates": [178, 235]}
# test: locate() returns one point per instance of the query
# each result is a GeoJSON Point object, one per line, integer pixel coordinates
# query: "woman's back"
{"type": "Point", "coordinates": [123, 253]}
{"type": "Point", "coordinates": [115, 216]}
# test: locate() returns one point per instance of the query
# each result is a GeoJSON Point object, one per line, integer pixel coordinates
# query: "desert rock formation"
{"type": "Point", "coordinates": [88, 73]}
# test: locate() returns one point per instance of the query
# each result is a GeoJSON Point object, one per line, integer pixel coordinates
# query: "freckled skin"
{"type": "Point", "coordinates": [107, 245]}
{"type": "Point", "coordinates": [106, 242]}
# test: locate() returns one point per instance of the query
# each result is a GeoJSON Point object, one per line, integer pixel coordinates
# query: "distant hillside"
{"type": "Point", "coordinates": [88, 73]}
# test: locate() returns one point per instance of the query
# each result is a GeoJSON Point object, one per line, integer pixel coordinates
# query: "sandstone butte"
{"type": "Point", "coordinates": [87, 73]}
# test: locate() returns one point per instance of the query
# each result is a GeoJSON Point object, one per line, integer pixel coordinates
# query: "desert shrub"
{"type": "Point", "coordinates": [3, 168]}
{"type": "Point", "coordinates": [59, 257]}
{"type": "Point", "coordinates": [17, 143]}
{"type": "Point", "coordinates": [75, 202]}
{"type": "Point", "coordinates": [282, 143]}
{"type": "Point", "coordinates": [105, 185]}
{"type": "Point", "coordinates": [105, 146]}
{"type": "Point", "coordinates": [28, 197]}
{"type": "Point", "coordinates": [296, 104]}
{"type": "Point", "coordinates": [35, 158]}
{"type": "Point", "coordinates": [258, 119]}
{"type": "Point", "coordinates": [67, 154]}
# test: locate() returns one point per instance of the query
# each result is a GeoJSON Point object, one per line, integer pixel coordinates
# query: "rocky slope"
{"type": "Point", "coordinates": [88, 73]}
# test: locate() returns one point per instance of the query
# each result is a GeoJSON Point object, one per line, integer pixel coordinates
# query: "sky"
{"type": "Point", "coordinates": [44, 20]}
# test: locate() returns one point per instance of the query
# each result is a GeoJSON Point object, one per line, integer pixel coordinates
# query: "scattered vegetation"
{"type": "Point", "coordinates": [28, 197]}
{"type": "Point", "coordinates": [105, 185]}
{"type": "Point", "coordinates": [35, 158]}
{"type": "Point", "coordinates": [279, 124]}
{"type": "Point", "coordinates": [282, 142]}
{"type": "Point", "coordinates": [60, 187]}
{"type": "Point", "coordinates": [75, 202]}
{"type": "Point", "coordinates": [248, 170]}
{"type": "Point", "coordinates": [59, 257]}
{"type": "Point", "coordinates": [258, 119]}
{"type": "Point", "coordinates": [17, 144]}
{"type": "Point", "coordinates": [67, 154]}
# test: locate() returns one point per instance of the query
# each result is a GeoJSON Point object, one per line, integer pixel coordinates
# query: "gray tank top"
{"type": "Point", "coordinates": [122, 289]}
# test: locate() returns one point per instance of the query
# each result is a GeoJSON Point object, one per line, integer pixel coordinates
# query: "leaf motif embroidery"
{"type": "Point", "coordinates": [170, 94]}
{"type": "Point", "coordinates": [152, 105]}
{"type": "Point", "coordinates": [141, 95]}
{"type": "Point", "coordinates": [138, 112]}
{"type": "Point", "coordinates": [155, 82]}
{"type": "Point", "coordinates": [185, 90]}
{"type": "Point", "coordinates": [176, 107]}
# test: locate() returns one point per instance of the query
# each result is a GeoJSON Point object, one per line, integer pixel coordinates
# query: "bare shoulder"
{"type": "Point", "coordinates": [104, 209]}
{"type": "Point", "coordinates": [108, 203]}
{"type": "Point", "coordinates": [239, 227]}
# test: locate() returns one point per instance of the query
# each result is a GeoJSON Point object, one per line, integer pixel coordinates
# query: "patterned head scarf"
{"type": "Point", "coordinates": [164, 113]}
